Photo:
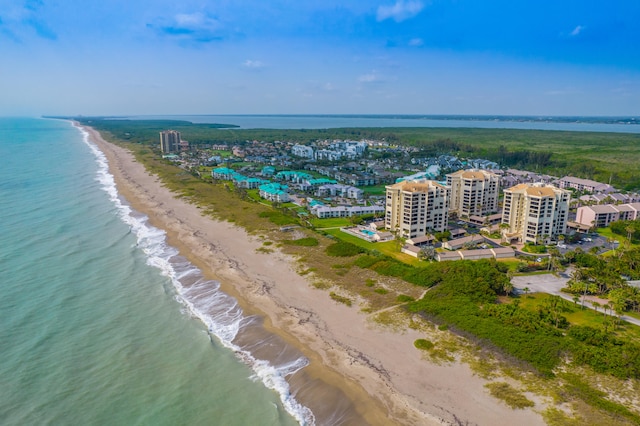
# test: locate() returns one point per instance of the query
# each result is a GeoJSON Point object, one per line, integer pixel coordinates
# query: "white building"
{"type": "Point", "coordinates": [345, 211]}
{"type": "Point", "coordinates": [339, 190]}
{"type": "Point", "coordinates": [302, 151]}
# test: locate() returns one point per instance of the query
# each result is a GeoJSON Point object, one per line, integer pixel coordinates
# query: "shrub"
{"type": "Point", "coordinates": [366, 261]}
{"type": "Point", "coordinates": [403, 298]}
{"type": "Point", "coordinates": [343, 249]}
{"type": "Point", "coordinates": [512, 397]}
{"type": "Point", "coordinates": [304, 242]}
{"type": "Point", "coordinates": [340, 299]}
{"type": "Point", "coordinates": [532, 248]}
{"type": "Point", "coordinates": [423, 344]}
{"type": "Point", "coordinates": [278, 218]}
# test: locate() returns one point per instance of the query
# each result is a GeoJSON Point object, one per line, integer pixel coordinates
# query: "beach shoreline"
{"type": "Point", "coordinates": [385, 379]}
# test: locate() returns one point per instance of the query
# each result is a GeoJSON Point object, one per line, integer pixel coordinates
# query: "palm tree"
{"type": "Point", "coordinates": [579, 275]}
{"type": "Point", "coordinates": [427, 253]}
{"type": "Point", "coordinates": [526, 290]}
{"type": "Point", "coordinates": [595, 305]}
{"type": "Point", "coordinates": [503, 229]}
{"type": "Point", "coordinates": [507, 287]}
{"type": "Point", "coordinates": [609, 306]}
{"type": "Point", "coordinates": [630, 231]}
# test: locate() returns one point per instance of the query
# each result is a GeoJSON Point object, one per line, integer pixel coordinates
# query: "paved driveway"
{"type": "Point", "coordinates": [543, 283]}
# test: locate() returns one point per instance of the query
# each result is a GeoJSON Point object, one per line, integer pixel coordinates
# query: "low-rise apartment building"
{"type": "Point", "coordinates": [602, 215]}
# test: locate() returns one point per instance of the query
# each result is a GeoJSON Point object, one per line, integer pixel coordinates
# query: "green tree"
{"type": "Point", "coordinates": [427, 252]}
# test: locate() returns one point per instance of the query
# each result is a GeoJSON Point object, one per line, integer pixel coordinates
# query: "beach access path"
{"type": "Point", "coordinates": [380, 370]}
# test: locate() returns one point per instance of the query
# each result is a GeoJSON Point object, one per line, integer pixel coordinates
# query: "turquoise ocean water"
{"type": "Point", "coordinates": [100, 321]}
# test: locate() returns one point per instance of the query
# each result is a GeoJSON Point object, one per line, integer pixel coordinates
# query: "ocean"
{"type": "Point", "coordinates": [101, 322]}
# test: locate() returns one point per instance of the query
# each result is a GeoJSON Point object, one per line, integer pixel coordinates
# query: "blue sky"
{"type": "Point", "coordinates": [544, 57]}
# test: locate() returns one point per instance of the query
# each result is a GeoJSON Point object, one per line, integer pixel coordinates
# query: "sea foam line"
{"type": "Point", "coordinates": [202, 296]}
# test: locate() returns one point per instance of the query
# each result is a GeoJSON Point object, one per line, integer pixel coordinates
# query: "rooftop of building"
{"type": "Point", "coordinates": [410, 186]}
{"type": "Point", "coordinates": [473, 174]}
{"type": "Point", "coordinates": [535, 189]}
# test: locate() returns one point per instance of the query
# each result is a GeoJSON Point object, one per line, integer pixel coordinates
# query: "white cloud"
{"type": "Point", "coordinates": [196, 21]}
{"type": "Point", "coordinates": [577, 30]}
{"type": "Point", "coordinates": [195, 27]}
{"type": "Point", "coordinates": [416, 42]}
{"type": "Point", "coordinates": [400, 11]}
{"type": "Point", "coordinates": [374, 78]}
{"type": "Point", "coordinates": [249, 63]}
{"type": "Point", "coordinates": [328, 87]}
{"type": "Point", "coordinates": [371, 77]}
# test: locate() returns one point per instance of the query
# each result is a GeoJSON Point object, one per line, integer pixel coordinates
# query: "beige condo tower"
{"type": "Point", "coordinates": [414, 209]}
{"type": "Point", "coordinates": [535, 212]}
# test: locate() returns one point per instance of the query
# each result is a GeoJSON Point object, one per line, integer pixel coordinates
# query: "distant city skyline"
{"type": "Point", "coordinates": [500, 57]}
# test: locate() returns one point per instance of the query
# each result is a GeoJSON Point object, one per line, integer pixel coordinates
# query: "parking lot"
{"type": "Point", "coordinates": [587, 242]}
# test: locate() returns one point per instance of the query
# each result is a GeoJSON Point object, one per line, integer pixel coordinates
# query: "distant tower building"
{"type": "Point", "coordinates": [473, 192]}
{"type": "Point", "coordinates": [415, 209]}
{"type": "Point", "coordinates": [169, 141]}
{"type": "Point", "coordinates": [535, 212]}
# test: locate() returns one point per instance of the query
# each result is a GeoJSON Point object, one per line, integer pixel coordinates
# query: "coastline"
{"type": "Point", "coordinates": [380, 373]}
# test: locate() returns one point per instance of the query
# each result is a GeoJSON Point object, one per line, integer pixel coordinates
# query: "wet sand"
{"type": "Point", "coordinates": [359, 373]}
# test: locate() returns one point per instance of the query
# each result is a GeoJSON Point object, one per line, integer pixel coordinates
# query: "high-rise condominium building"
{"type": "Point", "coordinates": [416, 208]}
{"type": "Point", "coordinates": [169, 141]}
{"type": "Point", "coordinates": [535, 212]}
{"type": "Point", "coordinates": [473, 192]}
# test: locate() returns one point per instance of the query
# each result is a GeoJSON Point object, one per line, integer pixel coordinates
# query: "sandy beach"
{"type": "Point", "coordinates": [375, 373]}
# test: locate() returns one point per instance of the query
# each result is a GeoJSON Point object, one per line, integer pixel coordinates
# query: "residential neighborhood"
{"type": "Point", "coordinates": [482, 209]}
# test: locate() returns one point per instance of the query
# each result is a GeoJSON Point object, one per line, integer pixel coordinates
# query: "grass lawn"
{"type": "Point", "coordinates": [374, 190]}
{"type": "Point", "coordinates": [254, 194]}
{"type": "Point", "coordinates": [333, 222]}
{"type": "Point", "coordinates": [388, 248]}
{"type": "Point", "coordinates": [578, 316]}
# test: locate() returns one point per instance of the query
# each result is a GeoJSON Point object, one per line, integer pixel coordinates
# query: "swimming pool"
{"type": "Point", "coordinates": [367, 232]}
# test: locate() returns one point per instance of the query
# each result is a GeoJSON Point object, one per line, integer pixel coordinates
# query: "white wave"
{"type": "Point", "coordinates": [218, 311]}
